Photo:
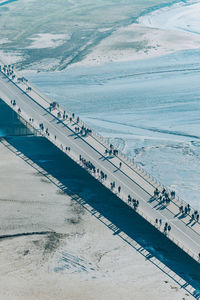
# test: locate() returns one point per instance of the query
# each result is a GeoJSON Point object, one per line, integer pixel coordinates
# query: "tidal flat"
{"type": "Point", "coordinates": [137, 85]}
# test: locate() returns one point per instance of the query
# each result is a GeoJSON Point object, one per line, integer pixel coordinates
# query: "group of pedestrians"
{"type": "Point", "coordinates": [7, 69]}
{"type": "Point", "coordinates": [53, 105]}
{"type": "Point", "coordinates": [158, 222]}
{"type": "Point", "coordinates": [13, 102]}
{"type": "Point", "coordinates": [90, 166]}
{"type": "Point", "coordinates": [133, 201]}
{"type": "Point", "coordinates": [81, 130]}
{"type": "Point", "coordinates": [166, 228]}
{"type": "Point", "coordinates": [185, 210]}
{"type": "Point", "coordinates": [85, 131]}
{"type": "Point", "coordinates": [47, 132]}
{"type": "Point", "coordinates": [112, 186]}
{"type": "Point", "coordinates": [77, 129]}
{"type": "Point", "coordinates": [163, 197]}
{"type": "Point", "coordinates": [87, 164]}
{"type": "Point", "coordinates": [101, 174]}
{"type": "Point", "coordinates": [195, 216]}
{"type": "Point", "coordinates": [111, 151]}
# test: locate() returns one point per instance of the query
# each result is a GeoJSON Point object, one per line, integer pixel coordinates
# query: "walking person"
{"type": "Point", "coordinates": [197, 217]}
{"type": "Point", "coordinates": [156, 193]}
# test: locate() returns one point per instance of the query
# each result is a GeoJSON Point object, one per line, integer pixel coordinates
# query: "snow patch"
{"type": "Point", "coordinates": [48, 40]}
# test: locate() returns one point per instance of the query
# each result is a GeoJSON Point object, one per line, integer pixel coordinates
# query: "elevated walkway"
{"type": "Point", "coordinates": [174, 218]}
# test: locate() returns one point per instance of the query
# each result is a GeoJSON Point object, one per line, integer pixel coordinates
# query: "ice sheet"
{"type": "Point", "coordinates": [149, 108]}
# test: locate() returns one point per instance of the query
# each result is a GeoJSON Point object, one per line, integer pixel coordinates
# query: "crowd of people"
{"type": "Point", "coordinates": [87, 164]}
{"type": "Point", "coordinates": [90, 166]}
{"type": "Point", "coordinates": [8, 70]}
{"type": "Point", "coordinates": [133, 201]}
{"type": "Point", "coordinates": [163, 197]}
{"type": "Point", "coordinates": [85, 131]}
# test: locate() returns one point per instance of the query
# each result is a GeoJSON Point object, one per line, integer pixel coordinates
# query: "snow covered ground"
{"type": "Point", "coordinates": [48, 40]}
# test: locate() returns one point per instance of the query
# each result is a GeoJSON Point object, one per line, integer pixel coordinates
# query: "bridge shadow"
{"type": "Point", "coordinates": [111, 211]}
